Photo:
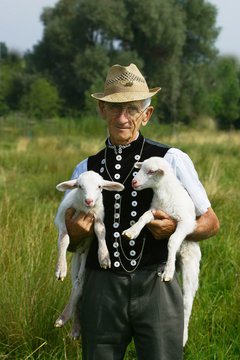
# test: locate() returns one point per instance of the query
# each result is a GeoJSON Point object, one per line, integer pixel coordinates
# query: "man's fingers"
{"type": "Point", "coordinates": [89, 217]}
{"type": "Point", "coordinates": [69, 214]}
{"type": "Point", "coordinates": [160, 215]}
{"type": "Point", "coordinates": [82, 217]}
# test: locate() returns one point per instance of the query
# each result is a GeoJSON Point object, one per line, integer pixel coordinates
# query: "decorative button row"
{"type": "Point", "coordinates": [117, 263]}
{"type": "Point", "coordinates": [116, 222]}
{"type": "Point", "coordinates": [132, 262]}
{"type": "Point", "coordinates": [118, 167]}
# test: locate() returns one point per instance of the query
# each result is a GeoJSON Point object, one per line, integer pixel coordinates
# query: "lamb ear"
{"type": "Point", "coordinates": [66, 185]}
{"type": "Point", "coordinates": [138, 165]}
{"type": "Point", "coordinates": [160, 171]}
{"type": "Point", "coordinates": [112, 186]}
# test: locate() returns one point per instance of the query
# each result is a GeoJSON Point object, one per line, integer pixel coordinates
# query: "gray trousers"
{"type": "Point", "coordinates": [118, 307]}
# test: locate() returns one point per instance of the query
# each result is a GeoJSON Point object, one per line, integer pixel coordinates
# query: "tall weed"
{"type": "Point", "coordinates": [34, 157]}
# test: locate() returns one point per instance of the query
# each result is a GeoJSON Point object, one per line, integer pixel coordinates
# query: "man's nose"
{"type": "Point", "coordinates": [123, 113]}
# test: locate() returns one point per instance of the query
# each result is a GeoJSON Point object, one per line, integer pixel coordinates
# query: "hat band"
{"type": "Point", "coordinates": [125, 89]}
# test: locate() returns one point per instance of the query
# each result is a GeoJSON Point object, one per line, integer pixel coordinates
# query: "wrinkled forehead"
{"type": "Point", "coordinates": [137, 103]}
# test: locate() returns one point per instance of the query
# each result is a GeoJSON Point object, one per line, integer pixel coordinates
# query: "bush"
{"type": "Point", "coordinates": [4, 109]}
{"type": "Point", "coordinates": [42, 100]}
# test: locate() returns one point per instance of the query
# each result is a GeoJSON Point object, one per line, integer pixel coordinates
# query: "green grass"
{"type": "Point", "coordinates": [34, 157]}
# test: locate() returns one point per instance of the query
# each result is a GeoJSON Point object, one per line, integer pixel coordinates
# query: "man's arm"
{"type": "Point", "coordinates": [163, 226]}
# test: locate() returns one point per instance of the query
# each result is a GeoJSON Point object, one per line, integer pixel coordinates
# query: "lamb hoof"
{"type": "Point", "coordinates": [60, 277]}
{"type": "Point", "coordinates": [74, 336]}
{"type": "Point", "coordinates": [59, 323]}
{"type": "Point", "coordinates": [76, 331]}
{"type": "Point", "coordinates": [127, 234]}
{"type": "Point", "coordinates": [61, 274]}
{"type": "Point", "coordinates": [105, 264]}
{"type": "Point", "coordinates": [166, 277]}
{"type": "Point", "coordinates": [104, 259]}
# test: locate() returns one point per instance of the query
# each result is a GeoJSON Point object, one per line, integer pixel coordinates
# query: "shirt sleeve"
{"type": "Point", "coordinates": [79, 169]}
{"type": "Point", "coordinates": [186, 173]}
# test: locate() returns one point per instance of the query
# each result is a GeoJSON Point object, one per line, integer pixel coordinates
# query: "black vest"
{"type": "Point", "coordinates": [122, 209]}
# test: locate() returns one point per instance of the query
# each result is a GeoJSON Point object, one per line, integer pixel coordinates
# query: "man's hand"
{"type": "Point", "coordinates": [78, 227]}
{"type": "Point", "coordinates": [163, 226]}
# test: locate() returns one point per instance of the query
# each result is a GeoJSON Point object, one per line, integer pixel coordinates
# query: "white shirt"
{"type": "Point", "coordinates": [184, 170]}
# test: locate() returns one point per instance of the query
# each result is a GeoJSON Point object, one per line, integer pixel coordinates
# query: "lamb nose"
{"type": "Point", "coordinates": [134, 183]}
{"type": "Point", "coordinates": [88, 201]}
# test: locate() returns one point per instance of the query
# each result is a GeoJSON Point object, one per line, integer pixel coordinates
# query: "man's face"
{"type": "Point", "coordinates": [124, 120]}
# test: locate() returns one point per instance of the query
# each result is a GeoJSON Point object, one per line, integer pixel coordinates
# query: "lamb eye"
{"type": "Point", "coordinates": [79, 186]}
{"type": "Point", "coordinates": [150, 172]}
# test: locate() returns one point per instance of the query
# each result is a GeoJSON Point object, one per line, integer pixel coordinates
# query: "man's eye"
{"type": "Point", "coordinates": [115, 106]}
{"type": "Point", "coordinates": [133, 109]}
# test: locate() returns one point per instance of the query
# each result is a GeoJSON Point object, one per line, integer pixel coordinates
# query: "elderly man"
{"type": "Point", "coordinates": [129, 301]}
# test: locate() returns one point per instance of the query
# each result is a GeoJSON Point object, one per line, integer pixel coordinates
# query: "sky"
{"type": "Point", "coordinates": [21, 28]}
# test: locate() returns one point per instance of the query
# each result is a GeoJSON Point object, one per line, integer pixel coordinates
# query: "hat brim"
{"type": "Point", "coordinates": [126, 96]}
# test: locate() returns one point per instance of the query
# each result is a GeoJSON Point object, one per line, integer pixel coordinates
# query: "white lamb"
{"type": "Point", "coordinates": [171, 197]}
{"type": "Point", "coordinates": [85, 196]}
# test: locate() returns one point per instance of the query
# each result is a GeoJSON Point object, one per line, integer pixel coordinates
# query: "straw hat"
{"type": "Point", "coordinates": [125, 83]}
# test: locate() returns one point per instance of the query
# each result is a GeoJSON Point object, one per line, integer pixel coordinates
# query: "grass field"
{"type": "Point", "coordinates": [34, 157]}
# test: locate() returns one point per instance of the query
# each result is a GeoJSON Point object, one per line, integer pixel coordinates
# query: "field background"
{"type": "Point", "coordinates": [34, 157]}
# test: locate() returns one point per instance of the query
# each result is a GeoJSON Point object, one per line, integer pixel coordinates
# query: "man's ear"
{"type": "Point", "coordinates": [101, 108]}
{"type": "Point", "coordinates": [147, 115]}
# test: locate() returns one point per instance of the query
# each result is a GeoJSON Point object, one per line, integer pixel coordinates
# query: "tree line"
{"type": "Point", "coordinates": [172, 42]}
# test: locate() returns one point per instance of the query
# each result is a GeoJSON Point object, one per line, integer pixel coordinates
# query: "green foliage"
{"type": "Point", "coordinates": [165, 38]}
{"type": "Point", "coordinates": [11, 70]}
{"type": "Point", "coordinates": [201, 31]}
{"type": "Point", "coordinates": [34, 157]}
{"type": "Point", "coordinates": [42, 100]}
{"type": "Point", "coordinates": [3, 50]}
{"type": "Point", "coordinates": [226, 94]}
{"type": "Point", "coordinates": [4, 109]}
{"type": "Point", "coordinates": [172, 42]}
{"type": "Point", "coordinates": [90, 67]}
